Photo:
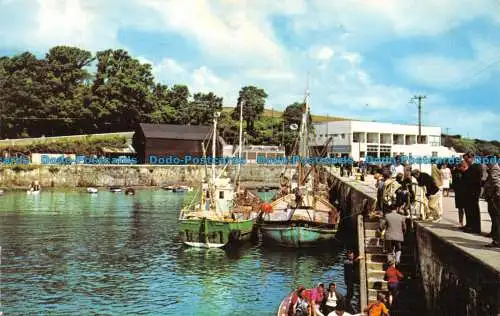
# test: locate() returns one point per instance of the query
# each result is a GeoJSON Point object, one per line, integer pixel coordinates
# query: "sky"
{"type": "Point", "coordinates": [366, 59]}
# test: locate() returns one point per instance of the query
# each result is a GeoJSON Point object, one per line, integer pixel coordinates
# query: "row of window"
{"type": "Point", "coordinates": [374, 153]}
{"type": "Point", "coordinates": [397, 139]}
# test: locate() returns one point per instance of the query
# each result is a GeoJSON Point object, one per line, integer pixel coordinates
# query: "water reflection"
{"type": "Point", "coordinates": [78, 253]}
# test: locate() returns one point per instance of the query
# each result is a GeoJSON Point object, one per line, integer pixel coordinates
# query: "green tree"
{"type": "Point", "coordinates": [178, 100]}
{"type": "Point", "coordinates": [121, 92]}
{"type": "Point", "coordinates": [163, 112]}
{"type": "Point", "coordinates": [69, 84]}
{"type": "Point", "coordinates": [253, 100]}
{"type": "Point", "coordinates": [202, 108]}
{"type": "Point", "coordinates": [23, 91]}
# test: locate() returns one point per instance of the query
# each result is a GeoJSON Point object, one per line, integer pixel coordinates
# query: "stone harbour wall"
{"type": "Point", "coordinates": [124, 175]}
{"type": "Point", "coordinates": [455, 283]}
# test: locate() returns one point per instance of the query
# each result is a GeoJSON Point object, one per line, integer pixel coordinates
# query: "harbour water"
{"type": "Point", "coordinates": [73, 253]}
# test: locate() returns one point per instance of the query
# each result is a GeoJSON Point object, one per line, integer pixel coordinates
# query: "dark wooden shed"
{"type": "Point", "coordinates": [170, 140]}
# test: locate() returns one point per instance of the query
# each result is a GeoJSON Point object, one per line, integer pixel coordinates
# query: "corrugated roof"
{"type": "Point", "coordinates": [172, 131]}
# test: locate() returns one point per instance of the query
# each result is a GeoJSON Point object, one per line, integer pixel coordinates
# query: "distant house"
{"type": "Point", "coordinates": [251, 152]}
{"type": "Point", "coordinates": [154, 141]}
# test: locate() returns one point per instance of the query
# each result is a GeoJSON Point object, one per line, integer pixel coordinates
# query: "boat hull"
{"type": "Point", "coordinates": [283, 309]}
{"type": "Point", "coordinates": [296, 234]}
{"type": "Point", "coordinates": [209, 233]}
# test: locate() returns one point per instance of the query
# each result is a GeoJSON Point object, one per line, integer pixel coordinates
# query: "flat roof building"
{"type": "Point", "coordinates": [360, 139]}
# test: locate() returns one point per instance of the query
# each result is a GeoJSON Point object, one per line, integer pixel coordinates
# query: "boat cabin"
{"type": "Point", "coordinates": [224, 195]}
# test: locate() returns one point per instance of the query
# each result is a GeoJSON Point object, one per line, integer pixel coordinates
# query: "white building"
{"type": "Point", "coordinates": [251, 152]}
{"type": "Point", "coordinates": [359, 139]}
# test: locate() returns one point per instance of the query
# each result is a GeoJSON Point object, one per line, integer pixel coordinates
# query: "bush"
{"type": "Point", "coordinates": [89, 145]}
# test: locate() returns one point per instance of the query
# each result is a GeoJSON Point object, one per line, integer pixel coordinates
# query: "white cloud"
{"type": "Point", "coordinates": [238, 36]}
{"type": "Point", "coordinates": [362, 23]}
{"type": "Point", "coordinates": [226, 31]}
{"type": "Point", "coordinates": [470, 121]}
{"type": "Point", "coordinates": [322, 53]}
{"type": "Point", "coordinates": [452, 73]}
{"type": "Point", "coordinates": [270, 74]}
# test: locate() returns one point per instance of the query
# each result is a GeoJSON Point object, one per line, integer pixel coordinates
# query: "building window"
{"type": "Point", "coordinates": [221, 195]}
{"type": "Point", "coordinates": [434, 154]}
{"type": "Point", "coordinates": [435, 140]}
{"type": "Point", "coordinates": [356, 137]}
{"type": "Point", "coordinates": [361, 154]}
{"type": "Point", "coordinates": [385, 149]}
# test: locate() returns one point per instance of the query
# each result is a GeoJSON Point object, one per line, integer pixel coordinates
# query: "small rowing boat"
{"type": "Point", "coordinates": [285, 305]}
{"type": "Point", "coordinates": [92, 190]}
{"type": "Point", "coordinates": [115, 189]}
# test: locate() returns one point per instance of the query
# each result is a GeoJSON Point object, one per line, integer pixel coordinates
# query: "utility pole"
{"type": "Point", "coordinates": [446, 135]}
{"type": "Point", "coordinates": [283, 134]}
{"type": "Point", "coordinates": [419, 98]}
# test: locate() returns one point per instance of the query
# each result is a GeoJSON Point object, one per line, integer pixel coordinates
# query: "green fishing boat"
{"type": "Point", "coordinates": [221, 215]}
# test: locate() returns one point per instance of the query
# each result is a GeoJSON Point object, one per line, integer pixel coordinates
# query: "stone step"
{"type": "Point", "coordinates": [375, 265]}
{"type": "Point", "coordinates": [374, 241]}
{"type": "Point", "coordinates": [371, 225]}
{"type": "Point", "coordinates": [405, 268]}
{"type": "Point", "coordinates": [374, 249]}
{"type": "Point", "coordinates": [376, 257]}
{"type": "Point", "coordinates": [372, 294]}
{"type": "Point", "coordinates": [370, 233]}
{"type": "Point", "coordinates": [375, 274]}
{"type": "Point", "coordinates": [377, 284]}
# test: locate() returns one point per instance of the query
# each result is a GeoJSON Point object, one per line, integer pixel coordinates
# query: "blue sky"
{"type": "Point", "coordinates": [366, 58]}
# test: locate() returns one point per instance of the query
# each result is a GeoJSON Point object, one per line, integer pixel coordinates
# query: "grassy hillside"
{"type": "Point", "coordinates": [463, 145]}
{"type": "Point", "coordinates": [278, 114]}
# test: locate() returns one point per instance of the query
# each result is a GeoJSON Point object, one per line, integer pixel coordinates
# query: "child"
{"type": "Point", "coordinates": [377, 308]}
{"type": "Point", "coordinates": [393, 276]}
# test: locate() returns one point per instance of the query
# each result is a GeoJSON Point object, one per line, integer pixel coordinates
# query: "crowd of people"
{"type": "Point", "coordinates": [417, 194]}
{"type": "Point", "coordinates": [403, 193]}
{"type": "Point", "coordinates": [318, 302]}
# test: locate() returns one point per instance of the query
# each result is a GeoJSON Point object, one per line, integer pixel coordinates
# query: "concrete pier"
{"type": "Point", "coordinates": [459, 275]}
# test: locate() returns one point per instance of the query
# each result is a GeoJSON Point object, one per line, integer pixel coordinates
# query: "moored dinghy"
{"type": "Point", "coordinates": [34, 188]}
{"type": "Point", "coordinates": [92, 190]}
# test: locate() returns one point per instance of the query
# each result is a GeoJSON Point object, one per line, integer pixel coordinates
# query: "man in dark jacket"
{"type": "Point", "coordinates": [431, 192]}
{"type": "Point", "coordinates": [492, 195]}
{"type": "Point", "coordinates": [458, 188]}
{"type": "Point", "coordinates": [472, 191]}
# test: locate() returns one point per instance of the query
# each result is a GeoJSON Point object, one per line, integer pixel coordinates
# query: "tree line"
{"type": "Point", "coordinates": [72, 91]}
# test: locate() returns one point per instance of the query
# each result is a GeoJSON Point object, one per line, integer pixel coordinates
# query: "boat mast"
{"type": "Point", "coordinates": [214, 152]}
{"type": "Point", "coordinates": [303, 135]}
{"type": "Point", "coordinates": [214, 147]}
{"type": "Point", "coordinates": [240, 146]}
